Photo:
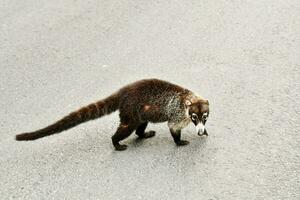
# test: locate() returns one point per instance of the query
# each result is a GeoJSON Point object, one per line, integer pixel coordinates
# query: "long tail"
{"type": "Point", "coordinates": [90, 112]}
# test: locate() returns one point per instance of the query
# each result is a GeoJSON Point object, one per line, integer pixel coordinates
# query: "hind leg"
{"type": "Point", "coordinates": [123, 131]}
{"type": "Point", "coordinates": [140, 131]}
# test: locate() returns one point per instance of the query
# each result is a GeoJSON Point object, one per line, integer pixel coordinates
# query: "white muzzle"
{"type": "Point", "coordinates": [200, 128]}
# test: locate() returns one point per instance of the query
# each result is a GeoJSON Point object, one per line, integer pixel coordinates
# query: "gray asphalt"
{"type": "Point", "coordinates": [56, 56]}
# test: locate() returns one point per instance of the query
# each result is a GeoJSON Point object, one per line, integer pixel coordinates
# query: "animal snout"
{"type": "Point", "coordinates": [200, 129]}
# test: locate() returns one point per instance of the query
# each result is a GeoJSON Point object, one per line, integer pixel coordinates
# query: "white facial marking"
{"type": "Point", "coordinates": [200, 128]}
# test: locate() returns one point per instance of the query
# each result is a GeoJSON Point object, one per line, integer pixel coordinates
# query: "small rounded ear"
{"type": "Point", "coordinates": [204, 101]}
{"type": "Point", "coordinates": [188, 102]}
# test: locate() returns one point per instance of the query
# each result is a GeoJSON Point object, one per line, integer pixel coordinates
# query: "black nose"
{"type": "Point", "coordinates": [204, 133]}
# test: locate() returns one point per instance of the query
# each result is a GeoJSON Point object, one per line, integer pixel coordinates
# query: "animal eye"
{"type": "Point", "coordinates": [194, 116]}
{"type": "Point", "coordinates": [205, 116]}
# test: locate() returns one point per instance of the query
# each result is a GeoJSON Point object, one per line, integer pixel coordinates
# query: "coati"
{"type": "Point", "coordinates": [147, 100]}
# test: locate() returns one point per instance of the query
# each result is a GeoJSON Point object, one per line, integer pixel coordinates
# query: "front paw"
{"type": "Point", "coordinates": [120, 147]}
{"type": "Point", "coordinates": [182, 142]}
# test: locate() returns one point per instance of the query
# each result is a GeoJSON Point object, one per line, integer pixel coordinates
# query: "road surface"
{"type": "Point", "coordinates": [56, 56]}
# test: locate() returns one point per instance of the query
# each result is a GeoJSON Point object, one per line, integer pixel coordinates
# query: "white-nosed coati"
{"type": "Point", "coordinates": [148, 100]}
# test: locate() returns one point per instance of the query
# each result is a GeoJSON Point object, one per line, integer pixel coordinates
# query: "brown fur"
{"type": "Point", "coordinates": [149, 100]}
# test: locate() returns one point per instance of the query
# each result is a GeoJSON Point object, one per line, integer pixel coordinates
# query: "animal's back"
{"type": "Point", "coordinates": [151, 100]}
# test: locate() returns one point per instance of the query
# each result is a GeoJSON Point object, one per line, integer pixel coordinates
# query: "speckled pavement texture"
{"type": "Point", "coordinates": [56, 56]}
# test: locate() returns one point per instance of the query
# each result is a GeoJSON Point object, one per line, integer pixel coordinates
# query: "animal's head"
{"type": "Point", "coordinates": [199, 112]}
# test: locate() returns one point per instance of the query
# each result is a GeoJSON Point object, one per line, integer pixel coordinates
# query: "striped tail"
{"type": "Point", "coordinates": [90, 112]}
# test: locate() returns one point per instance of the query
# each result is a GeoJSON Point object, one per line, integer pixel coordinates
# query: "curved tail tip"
{"type": "Point", "coordinates": [22, 137]}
